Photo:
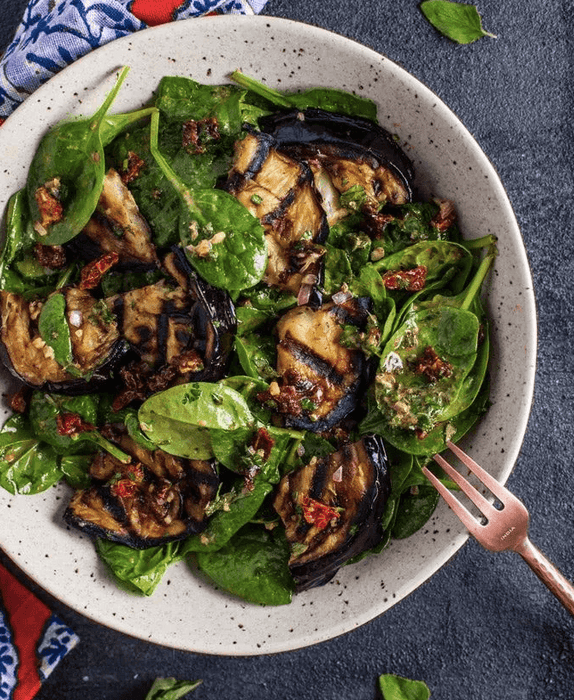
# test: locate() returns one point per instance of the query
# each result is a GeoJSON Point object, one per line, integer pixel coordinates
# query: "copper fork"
{"type": "Point", "coordinates": [505, 528]}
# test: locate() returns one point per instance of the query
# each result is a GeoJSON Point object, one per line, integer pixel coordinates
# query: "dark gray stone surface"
{"type": "Point", "coordinates": [483, 627]}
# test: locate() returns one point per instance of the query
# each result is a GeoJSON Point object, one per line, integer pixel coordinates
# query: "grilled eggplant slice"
{"type": "Point", "coordinates": [332, 509]}
{"type": "Point", "coordinates": [319, 379]}
{"type": "Point", "coordinates": [350, 150]}
{"type": "Point", "coordinates": [155, 499]}
{"type": "Point", "coordinates": [280, 192]}
{"type": "Point", "coordinates": [117, 226]}
{"type": "Point", "coordinates": [97, 348]}
{"type": "Point", "coordinates": [183, 317]}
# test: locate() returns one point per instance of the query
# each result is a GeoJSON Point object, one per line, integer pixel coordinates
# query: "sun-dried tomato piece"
{"type": "Point", "coordinates": [93, 272]}
{"type": "Point", "coordinates": [431, 366]}
{"type": "Point", "coordinates": [446, 215]}
{"type": "Point", "coordinates": [72, 424]}
{"type": "Point", "coordinates": [124, 488]}
{"type": "Point", "coordinates": [134, 165]}
{"type": "Point", "coordinates": [194, 130]}
{"type": "Point", "coordinates": [317, 513]}
{"type": "Point", "coordinates": [52, 256]}
{"type": "Point", "coordinates": [263, 442]}
{"type": "Point", "coordinates": [412, 280]}
{"type": "Point", "coordinates": [51, 209]}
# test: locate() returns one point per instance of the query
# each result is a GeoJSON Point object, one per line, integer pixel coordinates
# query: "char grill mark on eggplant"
{"type": "Point", "coordinates": [97, 349]}
{"type": "Point", "coordinates": [155, 499]}
{"type": "Point", "coordinates": [182, 330]}
{"type": "Point", "coordinates": [321, 378]}
{"type": "Point", "coordinates": [342, 143]}
{"type": "Point", "coordinates": [280, 192]}
{"type": "Point", "coordinates": [117, 226]}
{"type": "Point", "coordinates": [351, 486]}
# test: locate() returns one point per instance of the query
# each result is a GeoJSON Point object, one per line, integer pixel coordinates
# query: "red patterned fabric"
{"type": "Point", "coordinates": [32, 640]}
{"type": "Point", "coordinates": [154, 12]}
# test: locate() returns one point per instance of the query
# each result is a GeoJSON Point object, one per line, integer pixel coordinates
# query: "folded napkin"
{"type": "Point", "coordinates": [32, 640]}
{"type": "Point", "coordinates": [54, 34]}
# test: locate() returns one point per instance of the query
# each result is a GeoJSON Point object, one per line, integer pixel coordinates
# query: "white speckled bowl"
{"type": "Point", "coordinates": [186, 612]}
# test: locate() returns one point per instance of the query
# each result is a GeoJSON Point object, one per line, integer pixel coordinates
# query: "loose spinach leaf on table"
{"type": "Point", "coordinates": [457, 21]}
{"type": "Point", "coordinates": [398, 688]}
{"type": "Point", "coordinates": [170, 689]}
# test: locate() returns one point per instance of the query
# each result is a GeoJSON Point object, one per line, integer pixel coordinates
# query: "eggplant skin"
{"type": "Point", "coordinates": [311, 132]}
{"type": "Point", "coordinates": [157, 498]}
{"type": "Point", "coordinates": [355, 483]}
{"type": "Point", "coordinates": [320, 380]}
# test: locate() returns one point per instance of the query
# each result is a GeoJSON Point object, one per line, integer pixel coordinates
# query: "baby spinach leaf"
{"type": "Point", "coordinates": [256, 355]}
{"type": "Point", "coordinates": [27, 465]}
{"type": "Point", "coordinates": [75, 469]}
{"type": "Point", "coordinates": [241, 507]}
{"type": "Point", "coordinates": [137, 570]}
{"type": "Point", "coordinates": [329, 99]}
{"type": "Point", "coordinates": [457, 21]}
{"type": "Point", "coordinates": [68, 169]}
{"type": "Point", "coordinates": [177, 419]}
{"type": "Point", "coordinates": [415, 508]}
{"type": "Point", "coordinates": [222, 240]}
{"type": "Point", "coordinates": [252, 565]}
{"type": "Point", "coordinates": [55, 331]}
{"type": "Point", "coordinates": [398, 688]}
{"type": "Point", "coordinates": [183, 99]}
{"type": "Point", "coordinates": [44, 410]}
{"type": "Point", "coordinates": [170, 689]}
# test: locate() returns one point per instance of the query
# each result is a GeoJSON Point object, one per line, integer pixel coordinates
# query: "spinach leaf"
{"type": "Point", "coordinates": [237, 449]}
{"type": "Point", "coordinates": [170, 689]}
{"type": "Point", "coordinates": [177, 419]}
{"type": "Point", "coordinates": [75, 469]}
{"type": "Point", "coordinates": [250, 319]}
{"type": "Point", "coordinates": [222, 240]}
{"type": "Point", "coordinates": [415, 508]}
{"type": "Point", "coordinates": [66, 175]}
{"type": "Point", "coordinates": [137, 570]}
{"type": "Point", "coordinates": [44, 411]}
{"type": "Point", "coordinates": [27, 465]}
{"type": "Point", "coordinates": [256, 355]}
{"type": "Point", "coordinates": [398, 688]}
{"type": "Point", "coordinates": [55, 331]}
{"type": "Point", "coordinates": [329, 99]}
{"type": "Point", "coordinates": [182, 99]}
{"type": "Point", "coordinates": [240, 507]}
{"type": "Point", "coordinates": [252, 565]}
{"type": "Point", "coordinates": [457, 21]}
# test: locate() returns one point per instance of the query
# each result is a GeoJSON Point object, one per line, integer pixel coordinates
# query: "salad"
{"type": "Point", "coordinates": [237, 334]}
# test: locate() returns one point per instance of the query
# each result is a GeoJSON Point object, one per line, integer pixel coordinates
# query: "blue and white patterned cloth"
{"type": "Point", "coordinates": [53, 34]}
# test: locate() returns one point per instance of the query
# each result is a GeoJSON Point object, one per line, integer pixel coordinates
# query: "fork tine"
{"type": "Point", "coordinates": [489, 481]}
{"type": "Point", "coordinates": [465, 516]}
{"type": "Point", "coordinates": [475, 496]}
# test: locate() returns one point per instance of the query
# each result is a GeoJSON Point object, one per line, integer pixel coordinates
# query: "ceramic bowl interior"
{"type": "Point", "coordinates": [187, 612]}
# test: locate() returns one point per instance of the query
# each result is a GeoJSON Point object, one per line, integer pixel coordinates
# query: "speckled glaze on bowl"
{"type": "Point", "coordinates": [187, 612]}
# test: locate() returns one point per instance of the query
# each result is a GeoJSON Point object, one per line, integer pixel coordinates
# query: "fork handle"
{"type": "Point", "coordinates": [548, 574]}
